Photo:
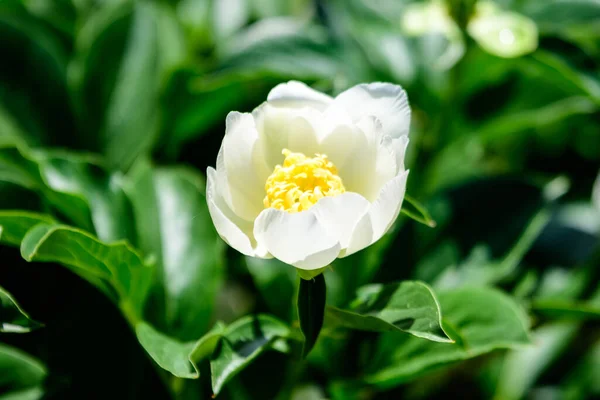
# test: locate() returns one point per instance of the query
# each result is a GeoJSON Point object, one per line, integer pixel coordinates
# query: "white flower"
{"type": "Point", "coordinates": [306, 178]}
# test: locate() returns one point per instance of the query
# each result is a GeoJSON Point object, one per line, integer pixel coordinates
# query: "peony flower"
{"type": "Point", "coordinates": [307, 178]}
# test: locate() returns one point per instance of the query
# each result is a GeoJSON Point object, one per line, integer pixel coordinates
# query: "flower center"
{"type": "Point", "coordinates": [301, 182]}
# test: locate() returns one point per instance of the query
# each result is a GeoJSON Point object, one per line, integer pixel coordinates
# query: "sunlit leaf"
{"type": "Point", "coordinates": [479, 320]}
{"type": "Point", "coordinates": [408, 306]}
{"type": "Point", "coordinates": [15, 224]}
{"type": "Point", "coordinates": [13, 318]}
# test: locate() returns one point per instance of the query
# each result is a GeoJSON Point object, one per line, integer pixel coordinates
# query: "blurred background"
{"type": "Point", "coordinates": [504, 152]}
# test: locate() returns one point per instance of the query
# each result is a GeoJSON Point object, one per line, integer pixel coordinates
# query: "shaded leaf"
{"type": "Point", "coordinates": [115, 265]}
{"type": "Point", "coordinates": [13, 318]}
{"type": "Point", "coordinates": [33, 100]}
{"type": "Point", "coordinates": [123, 54]}
{"type": "Point", "coordinates": [566, 309]}
{"type": "Point", "coordinates": [242, 342]}
{"type": "Point", "coordinates": [479, 320]}
{"type": "Point", "coordinates": [19, 167]}
{"type": "Point", "coordinates": [20, 374]}
{"type": "Point", "coordinates": [408, 306]}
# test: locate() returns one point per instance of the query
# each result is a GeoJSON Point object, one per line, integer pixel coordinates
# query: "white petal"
{"type": "Point", "coordinates": [241, 158]}
{"type": "Point", "coordinates": [296, 129]}
{"type": "Point", "coordinates": [340, 214]}
{"type": "Point", "coordinates": [399, 145]}
{"type": "Point", "coordinates": [386, 102]}
{"type": "Point", "coordinates": [381, 215]}
{"type": "Point", "coordinates": [298, 94]}
{"type": "Point", "coordinates": [298, 239]}
{"type": "Point", "coordinates": [222, 218]}
{"type": "Point", "coordinates": [372, 161]}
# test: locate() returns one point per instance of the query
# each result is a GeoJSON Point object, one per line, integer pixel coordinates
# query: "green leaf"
{"type": "Point", "coordinates": [522, 368]}
{"type": "Point", "coordinates": [86, 178]}
{"type": "Point", "coordinates": [116, 265]}
{"type": "Point", "coordinates": [34, 101]}
{"type": "Point", "coordinates": [311, 309]}
{"type": "Point", "coordinates": [479, 320]}
{"type": "Point", "coordinates": [13, 318]}
{"type": "Point", "coordinates": [424, 218]}
{"type": "Point", "coordinates": [20, 374]}
{"type": "Point", "coordinates": [566, 309]}
{"type": "Point", "coordinates": [123, 54]}
{"type": "Point", "coordinates": [174, 225]}
{"type": "Point", "coordinates": [20, 167]}
{"type": "Point", "coordinates": [241, 343]}
{"type": "Point", "coordinates": [15, 224]}
{"type": "Point", "coordinates": [230, 349]}
{"type": "Point", "coordinates": [169, 353]}
{"type": "Point", "coordinates": [409, 307]}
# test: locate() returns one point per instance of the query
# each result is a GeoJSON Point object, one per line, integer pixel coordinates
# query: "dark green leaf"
{"type": "Point", "coordinates": [242, 342]}
{"type": "Point", "coordinates": [124, 52]}
{"type": "Point", "coordinates": [114, 265]}
{"type": "Point", "coordinates": [12, 317]}
{"type": "Point", "coordinates": [173, 224]}
{"type": "Point", "coordinates": [311, 309]}
{"type": "Point", "coordinates": [479, 320]}
{"type": "Point", "coordinates": [407, 306]}
{"type": "Point", "coordinates": [15, 225]}
{"type": "Point", "coordinates": [34, 101]}
{"type": "Point", "coordinates": [20, 374]}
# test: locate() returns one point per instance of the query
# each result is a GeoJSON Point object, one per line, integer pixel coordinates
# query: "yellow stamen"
{"type": "Point", "coordinates": [301, 182]}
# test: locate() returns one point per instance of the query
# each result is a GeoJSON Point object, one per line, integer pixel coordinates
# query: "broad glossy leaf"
{"type": "Point", "coordinates": [479, 320]}
{"type": "Point", "coordinates": [169, 353]}
{"type": "Point", "coordinates": [242, 342]}
{"type": "Point", "coordinates": [522, 368]}
{"type": "Point", "coordinates": [115, 265]}
{"type": "Point", "coordinates": [85, 177]}
{"type": "Point", "coordinates": [408, 306]}
{"type": "Point", "coordinates": [173, 225]}
{"type": "Point", "coordinates": [19, 167]}
{"type": "Point", "coordinates": [311, 309]}
{"type": "Point", "coordinates": [15, 224]}
{"type": "Point", "coordinates": [123, 54]}
{"type": "Point", "coordinates": [13, 318]}
{"type": "Point", "coordinates": [75, 185]}
{"type": "Point", "coordinates": [179, 358]}
{"type": "Point", "coordinates": [21, 375]}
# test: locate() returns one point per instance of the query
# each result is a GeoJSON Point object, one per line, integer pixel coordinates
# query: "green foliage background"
{"type": "Point", "coordinates": [114, 283]}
